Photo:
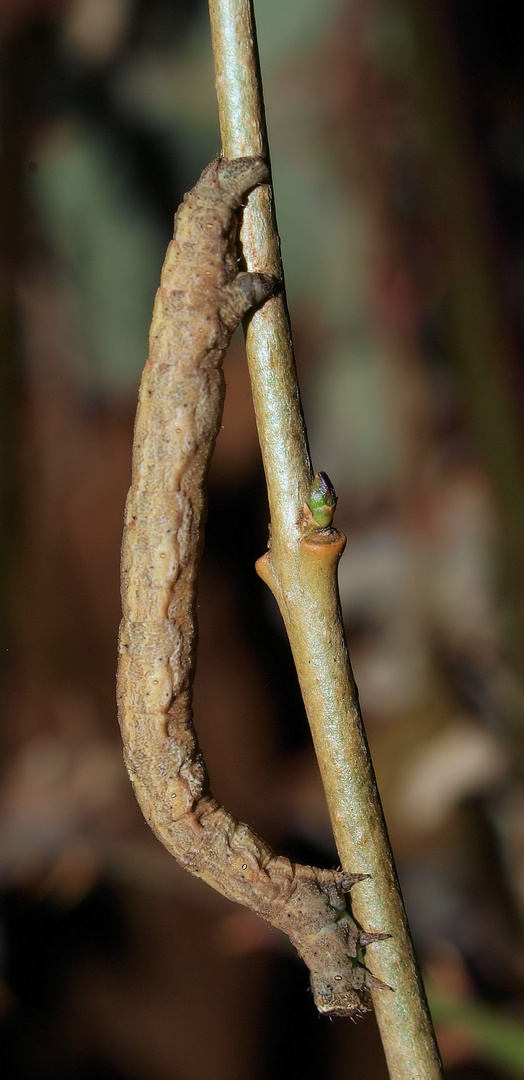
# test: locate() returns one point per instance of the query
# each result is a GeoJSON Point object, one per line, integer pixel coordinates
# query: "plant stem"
{"type": "Point", "coordinates": [300, 568]}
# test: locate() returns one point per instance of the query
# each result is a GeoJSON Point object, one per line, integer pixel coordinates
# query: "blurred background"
{"type": "Point", "coordinates": [397, 141]}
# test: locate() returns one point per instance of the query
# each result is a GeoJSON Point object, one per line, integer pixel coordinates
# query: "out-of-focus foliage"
{"type": "Point", "coordinates": [107, 253]}
{"type": "Point", "coordinates": [501, 1040]}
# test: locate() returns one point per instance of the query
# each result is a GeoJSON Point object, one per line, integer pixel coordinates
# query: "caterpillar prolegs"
{"type": "Point", "coordinates": [201, 300]}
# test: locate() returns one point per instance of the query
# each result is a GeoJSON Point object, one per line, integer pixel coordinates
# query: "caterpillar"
{"type": "Point", "coordinates": [201, 300]}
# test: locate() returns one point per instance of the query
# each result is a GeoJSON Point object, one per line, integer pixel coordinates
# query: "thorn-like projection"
{"type": "Point", "coordinates": [352, 879]}
{"type": "Point", "coordinates": [372, 982]}
{"type": "Point", "coordinates": [368, 937]}
{"type": "Point", "coordinates": [336, 886]}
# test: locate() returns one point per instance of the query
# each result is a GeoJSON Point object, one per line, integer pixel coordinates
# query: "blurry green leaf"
{"type": "Point", "coordinates": [499, 1038]}
{"type": "Point", "coordinates": [107, 249]}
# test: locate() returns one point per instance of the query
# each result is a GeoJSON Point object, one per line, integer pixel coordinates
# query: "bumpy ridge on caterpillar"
{"type": "Point", "coordinates": [201, 300]}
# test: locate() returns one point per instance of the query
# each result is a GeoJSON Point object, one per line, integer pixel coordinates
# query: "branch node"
{"type": "Point", "coordinates": [264, 569]}
{"type": "Point", "coordinates": [324, 545]}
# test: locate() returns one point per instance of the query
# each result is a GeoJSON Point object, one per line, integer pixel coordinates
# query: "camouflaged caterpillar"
{"type": "Point", "coordinates": [201, 300]}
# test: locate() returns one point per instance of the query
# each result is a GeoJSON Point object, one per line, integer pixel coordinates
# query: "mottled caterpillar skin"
{"type": "Point", "coordinates": [200, 301]}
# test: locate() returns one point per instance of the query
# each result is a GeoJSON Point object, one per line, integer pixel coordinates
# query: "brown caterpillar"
{"type": "Point", "coordinates": [201, 300]}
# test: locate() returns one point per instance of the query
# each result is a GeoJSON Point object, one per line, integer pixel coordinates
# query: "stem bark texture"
{"type": "Point", "coordinates": [300, 569]}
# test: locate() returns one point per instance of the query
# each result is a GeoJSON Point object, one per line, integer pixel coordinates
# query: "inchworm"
{"type": "Point", "coordinates": [201, 300]}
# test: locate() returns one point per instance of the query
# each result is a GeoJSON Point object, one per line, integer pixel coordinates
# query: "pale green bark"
{"type": "Point", "coordinates": [301, 571]}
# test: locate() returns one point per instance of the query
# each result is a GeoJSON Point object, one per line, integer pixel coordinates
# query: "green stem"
{"type": "Point", "coordinates": [300, 569]}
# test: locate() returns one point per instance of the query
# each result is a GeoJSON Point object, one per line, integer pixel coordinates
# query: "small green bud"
{"type": "Point", "coordinates": [322, 500]}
